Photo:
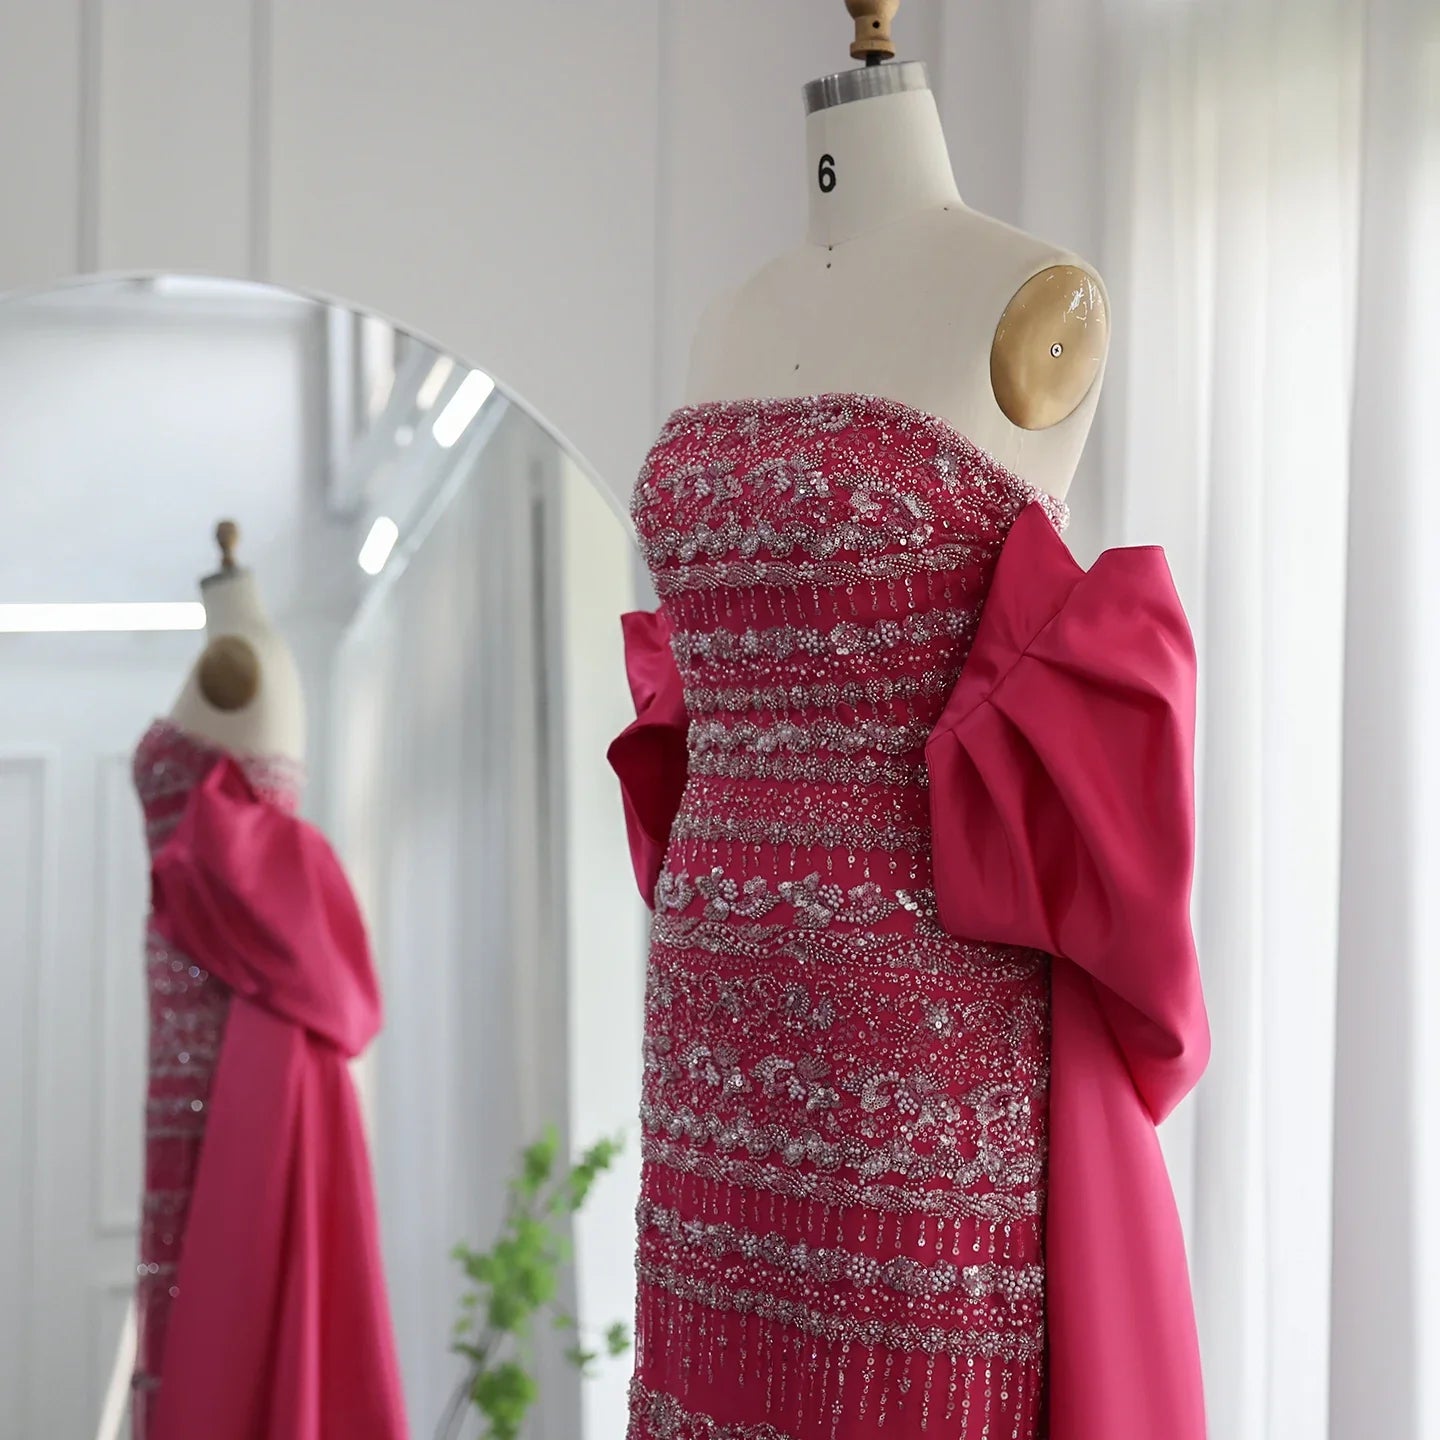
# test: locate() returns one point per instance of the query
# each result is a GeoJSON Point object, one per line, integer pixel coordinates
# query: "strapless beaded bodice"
{"type": "Point", "coordinates": [188, 1009]}
{"type": "Point", "coordinates": [843, 1106]}
{"type": "Point", "coordinates": [823, 564]}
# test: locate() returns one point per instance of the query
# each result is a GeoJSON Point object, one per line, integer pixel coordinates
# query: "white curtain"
{"type": "Point", "coordinates": [1259, 181]}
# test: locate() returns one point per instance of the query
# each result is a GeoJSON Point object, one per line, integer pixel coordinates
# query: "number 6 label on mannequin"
{"type": "Point", "coordinates": [827, 174]}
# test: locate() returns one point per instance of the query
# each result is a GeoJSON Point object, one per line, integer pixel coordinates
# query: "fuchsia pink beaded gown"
{"type": "Point", "coordinates": [187, 1024]}
{"type": "Point", "coordinates": [900, 1170]}
{"type": "Point", "coordinates": [262, 1311]}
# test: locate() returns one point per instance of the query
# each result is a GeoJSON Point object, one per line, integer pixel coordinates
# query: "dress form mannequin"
{"type": "Point", "coordinates": [244, 692]}
{"type": "Point", "coordinates": [902, 290]}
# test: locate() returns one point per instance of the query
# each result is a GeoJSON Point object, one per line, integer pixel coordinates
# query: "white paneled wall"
{"type": "Point", "coordinates": [173, 134]}
{"type": "Point", "coordinates": [72, 1030]}
{"type": "Point", "coordinates": [482, 173]}
{"type": "Point", "coordinates": [552, 190]}
{"type": "Point", "coordinates": [44, 143]}
{"type": "Point", "coordinates": [26, 897]}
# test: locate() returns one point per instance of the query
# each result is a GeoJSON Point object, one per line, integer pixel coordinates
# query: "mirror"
{"type": "Point", "coordinates": [413, 638]}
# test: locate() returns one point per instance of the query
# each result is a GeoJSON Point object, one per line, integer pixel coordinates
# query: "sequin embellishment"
{"type": "Point", "coordinates": [188, 1010]}
{"type": "Point", "coordinates": [844, 1108]}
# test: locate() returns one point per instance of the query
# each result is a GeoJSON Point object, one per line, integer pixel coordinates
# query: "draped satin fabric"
{"type": "Point", "coordinates": [281, 1327]}
{"type": "Point", "coordinates": [1062, 819]}
{"type": "Point", "coordinates": [649, 755]}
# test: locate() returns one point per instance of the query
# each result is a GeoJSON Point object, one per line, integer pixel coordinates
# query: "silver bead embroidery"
{"type": "Point", "coordinates": [813, 903]}
{"type": "Point", "coordinates": [836, 1092]}
{"type": "Point", "coordinates": [666, 1419]}
{"type": "Point", "coordinates": [1005, 1344]}
{"type": "Point", "coordinates": [701, 699]}
{"type": "Point", "coordinates": [188, 1012]}
{"type": "Point", "coordinates": [779, 642]}
{"type": "Point", "coordinates": [824, 1267]}
{"type": "Point", "coordinates": [867, 770]}
{"type": "Point", "coordinates": [823, 734]}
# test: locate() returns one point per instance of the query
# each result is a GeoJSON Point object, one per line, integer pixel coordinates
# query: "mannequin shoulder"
{"type": "Point", "coordinates": [919, 309]}
{"type": "Point", "coordinates": [740, 327]}
{"type": "Point", "coordinates": [245, 694]}
{"type": "Point", "coordinates": [709, 343]}
{"type": "Point", "coordinates": [1000, 265]}
{"type": "Point", "coordinates": [1046, 309]}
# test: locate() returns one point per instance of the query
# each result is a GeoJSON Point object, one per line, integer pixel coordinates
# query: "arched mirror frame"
{"type": "Point", "coordinates": [468, 352]}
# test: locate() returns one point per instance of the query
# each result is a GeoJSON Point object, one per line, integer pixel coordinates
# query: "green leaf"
{"type": "Point", "coordinates": [504, 1395]}
{"type": "Point", "coordinates": [531, 1235]}
{"type": "Point", "coordinates": [601, 1155]}
{"type": "Point", "coordinates": [581, 1358]}
{"type": "Point", "coordinates": [523, 1273]}
{"type": "Point", "coordinates": [538, 1163]}
{"type": "Point", "coordinates": [519, 1275]}
{"type": "Point", "coordinates": [481, 1268]}
{"type": "Point", "coordinates": [506, 1313]}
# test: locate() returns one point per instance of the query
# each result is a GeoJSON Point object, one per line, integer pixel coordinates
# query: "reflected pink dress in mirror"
{"type": "Point", "coordinates": [910, 794]}
{"type": "Point", "coordinates": [187, 1023]}
{"type": "Point", "coordinates": [261, 1305]}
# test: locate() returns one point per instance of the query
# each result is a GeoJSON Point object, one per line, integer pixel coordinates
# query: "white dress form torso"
{"type": "Point", "coordinates": [272, 723]}
{"type": "Point", "coordinates": [900, 288]}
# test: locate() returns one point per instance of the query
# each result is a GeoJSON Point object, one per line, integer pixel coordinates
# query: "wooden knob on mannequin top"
{"type": "Point", "coordinates": [873, 42]}
{"type": "Point", "coordinates": [228, 672]}
{"type": "Point", "coordinates": [227, 537]}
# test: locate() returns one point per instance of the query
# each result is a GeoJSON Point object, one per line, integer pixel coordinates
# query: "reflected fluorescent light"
{"type": "Point", "coordinates": [379, 395]}
{"type": "Point", "coordinates": [78, 618]}
{"type": "Point", "coordinates": [464, 405]}
{"type": "Point", "coordinates": [378, 544]}
{"type": "Point", "coordinates": [404, 434]}
{"type": "Point", "coordinates": [434, 382]}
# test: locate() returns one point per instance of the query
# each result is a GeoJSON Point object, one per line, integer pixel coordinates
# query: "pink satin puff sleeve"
{"type": "Point", "coordinates": [261, 896]}
{"type": "Point", "coordinates": [280, 1327]}
{"type": "Point", "coordinates": [649, 755]}
{"type": "Point", "coordinates": [1062, 808]}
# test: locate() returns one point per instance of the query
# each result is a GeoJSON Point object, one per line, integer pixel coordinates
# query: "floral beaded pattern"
{"type": "Point", "coordinates": [844, 1108]}
{"type": "Point", "coordinates": [188, 1009]}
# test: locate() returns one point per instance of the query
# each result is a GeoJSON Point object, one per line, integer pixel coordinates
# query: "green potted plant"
{"type": "Point", "coordinates": [514, 1283]}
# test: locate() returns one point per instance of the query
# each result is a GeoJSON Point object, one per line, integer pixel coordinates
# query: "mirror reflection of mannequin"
{"type": "Point", "coordinates": [901, 290]}
{"type": "Point", "coordinates": [243, 693]}
{"type": "Point", "coordinates": [243, 696]}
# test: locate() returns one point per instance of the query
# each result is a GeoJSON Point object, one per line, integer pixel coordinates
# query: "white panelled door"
{"type": "Point", "coordinates": [73, 890]}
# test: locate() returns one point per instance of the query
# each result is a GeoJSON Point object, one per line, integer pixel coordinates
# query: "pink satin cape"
{"type": "Point", "coordinates": [1062, 816]}
{"type": "Point", "coordinates": [281, 1328]}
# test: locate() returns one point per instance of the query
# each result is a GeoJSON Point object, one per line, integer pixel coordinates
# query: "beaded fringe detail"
{"type": "Point", "coordinates": [844, 1108]}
